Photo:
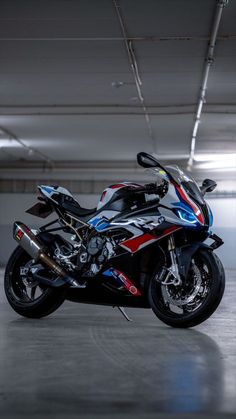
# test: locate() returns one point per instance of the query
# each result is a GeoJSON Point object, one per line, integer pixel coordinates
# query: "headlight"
{"type": "Point", "coordinates": [187, 216]}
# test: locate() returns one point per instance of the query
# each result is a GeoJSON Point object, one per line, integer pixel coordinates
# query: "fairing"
{"type": "Point", "coordinates": [184, 197]}
{"type": "Point", "coordinates": [144, 221]}
{"type": "Point", "coordinates": [110, 192]}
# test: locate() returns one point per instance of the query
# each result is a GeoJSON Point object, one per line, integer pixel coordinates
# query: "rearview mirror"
{"type": "Point", "coordinates": [146, 160]}
{"type": "Point", "coordinates": [208, 185]}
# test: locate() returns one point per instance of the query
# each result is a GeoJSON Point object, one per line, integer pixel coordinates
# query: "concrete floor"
{"type": "Point", "coordinates": [87, 361]}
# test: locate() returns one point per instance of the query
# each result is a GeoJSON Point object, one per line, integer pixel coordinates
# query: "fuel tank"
{"type": "Point", "coordinates": [119, 197]}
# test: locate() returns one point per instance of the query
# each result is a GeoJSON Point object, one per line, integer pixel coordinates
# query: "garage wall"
{"type": "Point", "coordinates": [224, 212]}
{"type": "Point", "coordinates": [12, 207]}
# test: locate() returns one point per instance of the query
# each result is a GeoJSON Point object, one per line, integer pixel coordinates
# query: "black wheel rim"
{"type": "Point", "coordinates": [22, 285]}
{"type": "Point", "coordinates": [186, 299]}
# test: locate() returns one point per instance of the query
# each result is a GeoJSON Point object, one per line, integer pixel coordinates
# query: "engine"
{"type": "Point", "coordinates": [94, 254]}
{"type": "Point", "coordinates": [87, 257]}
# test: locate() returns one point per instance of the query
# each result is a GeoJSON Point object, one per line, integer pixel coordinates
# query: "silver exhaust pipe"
{"type": "Point", "coordinates": [36, 249]}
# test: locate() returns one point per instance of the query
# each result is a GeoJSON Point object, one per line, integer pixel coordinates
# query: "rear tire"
{"type": "Point", "coordinates": [216, 285]}
{"type": "Point", "coordinates": [49, 300]}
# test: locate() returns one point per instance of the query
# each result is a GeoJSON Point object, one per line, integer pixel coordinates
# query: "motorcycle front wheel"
{"type": "Point", "coordinates": [24, 294]}
{"type": "Point", "coordinates": [196, 299]}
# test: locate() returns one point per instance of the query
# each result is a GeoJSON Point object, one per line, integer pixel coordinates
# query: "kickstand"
{"type": "Point", "coordinates": [122, 310]}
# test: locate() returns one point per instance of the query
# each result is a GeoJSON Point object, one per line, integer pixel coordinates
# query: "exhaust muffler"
{"type": "Point", "coordinates": [36, 249]}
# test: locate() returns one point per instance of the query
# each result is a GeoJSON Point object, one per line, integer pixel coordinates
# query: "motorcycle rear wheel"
{"type": "Point", "coordinates": [194, 301]}
{"type": "Point", "coordinates": [26, 297]}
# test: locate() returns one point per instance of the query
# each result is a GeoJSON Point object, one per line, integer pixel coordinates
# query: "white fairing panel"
{"type": "Point", "coordinates": [109, 192]}
{"type": "Point", "coordinates": [170, 197]}
{"type": "Point", "coordinates": [48, 191]}
{"type": "Point", "coordinates": [105, 214]}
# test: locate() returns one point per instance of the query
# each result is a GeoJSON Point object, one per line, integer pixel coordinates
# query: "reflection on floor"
{"type": "Point", "coordinates": [89, 362]}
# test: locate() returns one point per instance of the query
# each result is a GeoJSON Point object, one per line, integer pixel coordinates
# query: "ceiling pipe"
{"type": "Point", "coordinates": [112, 39]}
{"type": "Point", "coordinates": [221, 106]}
{"type": "Point", "coordinates": [208, 63]}
{"type": "Point", "coordinates": [113, 113]}
{"type": "Point", "coordinates": [134, 67]}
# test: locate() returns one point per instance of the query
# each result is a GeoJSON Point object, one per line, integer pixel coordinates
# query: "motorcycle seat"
{"type": "Point", "coordinates": [76, 209]}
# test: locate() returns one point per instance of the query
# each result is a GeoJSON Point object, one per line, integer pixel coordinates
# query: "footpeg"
{"type": "Point", "coordinates": [73, 283]}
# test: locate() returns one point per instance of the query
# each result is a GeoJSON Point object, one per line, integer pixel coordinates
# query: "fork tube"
{"type": "Point", "coordinates": [171, 248]}
{"type": "Point", "coordinates": [171, 243]}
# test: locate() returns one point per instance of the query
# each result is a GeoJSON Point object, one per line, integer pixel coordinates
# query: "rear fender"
{"type": "Point", "coordinates": [41, 209]}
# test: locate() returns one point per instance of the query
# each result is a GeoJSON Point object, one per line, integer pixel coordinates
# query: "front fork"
{"type": "Point", "coordinates": [171, 275]}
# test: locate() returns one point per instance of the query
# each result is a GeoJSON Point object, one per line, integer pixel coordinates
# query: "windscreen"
{"type": "Point", "coordinates": [186, 180]}
{"type": "Point", "coordinates": [182, 178]}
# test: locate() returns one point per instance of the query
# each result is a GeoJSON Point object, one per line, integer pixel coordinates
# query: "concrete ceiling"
{"type": "Point", "coordinates": [67, 89]}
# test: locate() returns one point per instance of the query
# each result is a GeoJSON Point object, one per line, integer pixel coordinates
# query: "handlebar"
{"type": "Point", "coordinates": [153, 188]}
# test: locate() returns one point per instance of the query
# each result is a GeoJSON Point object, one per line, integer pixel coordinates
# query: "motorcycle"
{"type": "Point", "coordinates": [143, 246]}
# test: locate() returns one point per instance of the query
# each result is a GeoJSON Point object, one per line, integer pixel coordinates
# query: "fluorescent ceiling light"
{"type": "Point", "coordinates": [218, 165]}
{"type": "Point", "coordinates": [224, 161]}
{"type": "Point", "coordinates": [220, 162]}
{"type": "Point", "coordinates": [8, 143]}
{"type": "Point", "coordinates": [215, 157]}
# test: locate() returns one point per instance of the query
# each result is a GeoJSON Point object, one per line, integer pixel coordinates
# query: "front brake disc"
{"type": "Point", "coordinates": [172, 294]}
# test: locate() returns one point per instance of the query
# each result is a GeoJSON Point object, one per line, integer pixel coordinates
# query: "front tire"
{"type": "Point", "coordinates": [168, 301]}
{"type": "Point", "coordinates": [36, 302]}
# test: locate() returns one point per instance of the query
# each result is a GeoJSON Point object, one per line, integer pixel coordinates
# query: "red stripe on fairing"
{"type": "Point", "coordinates": [168, 231]}
{"type": "Point", "coordinates": [122, 185]}
{"type": "Point", "coordinates": [195, 208]}
{"type": "Point", "coordinates": [128, 284]}
{"type": "Point", "coordinates": [135, 243]}
{"type": "Point", "coordinates": [103, 196]}
{"type": "Point", "coordinates": [118, 186]}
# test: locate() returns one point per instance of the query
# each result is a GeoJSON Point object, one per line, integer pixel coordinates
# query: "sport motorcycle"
{"type": "Point", "coordinates": [142, 246]}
